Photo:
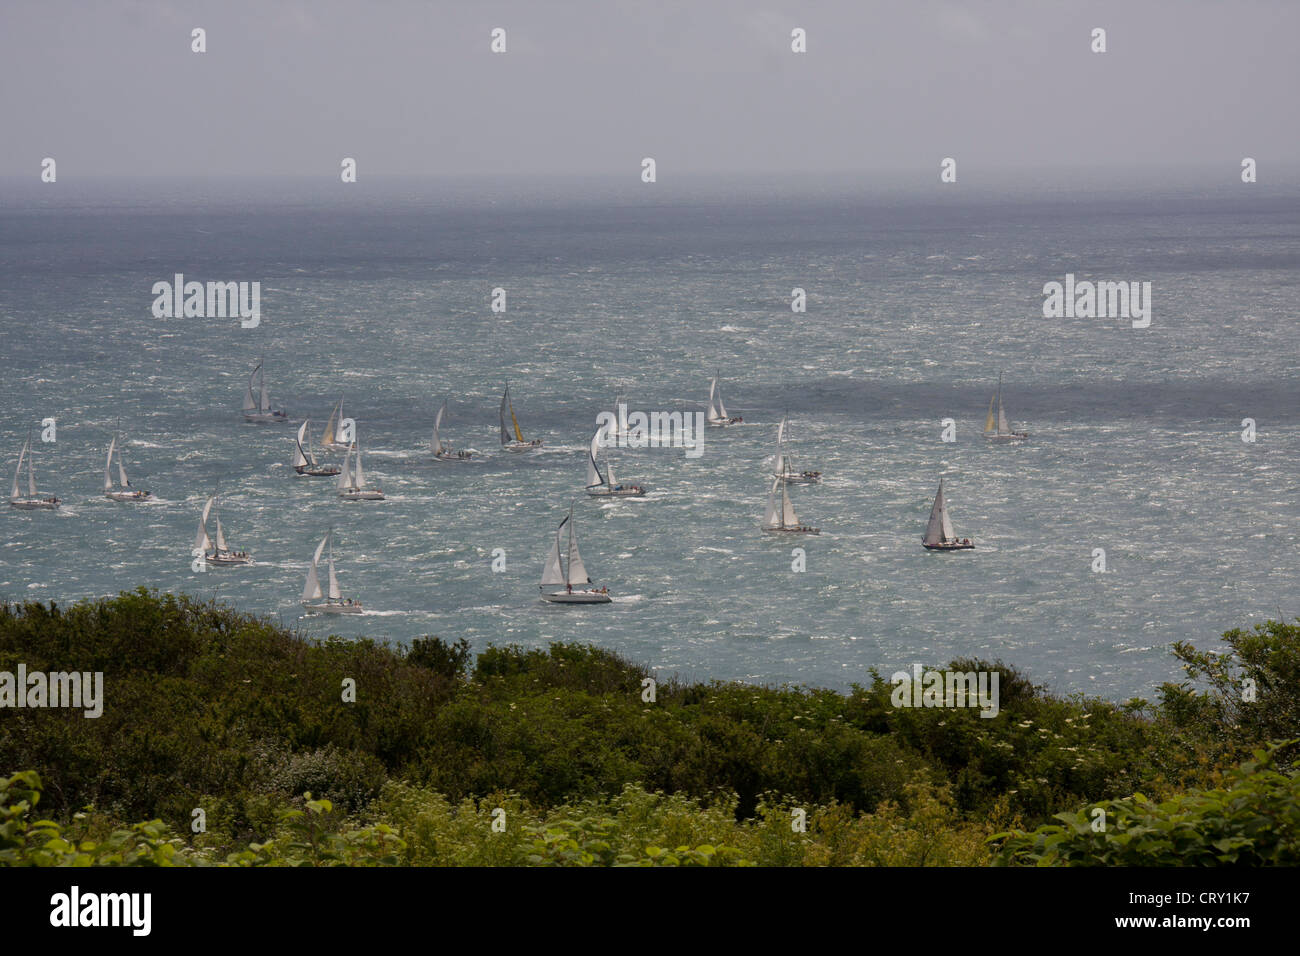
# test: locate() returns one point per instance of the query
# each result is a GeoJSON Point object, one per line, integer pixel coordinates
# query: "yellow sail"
{"type": "Point", "coordinates": [518, 434]}
{"type": "Point", "coordinates": [988, 422]}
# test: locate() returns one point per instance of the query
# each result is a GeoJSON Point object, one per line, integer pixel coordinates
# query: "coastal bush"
{"type": "Point", "coordinates": [1254, 820]}
{"type": "Point", "coordinates": [209, 708]}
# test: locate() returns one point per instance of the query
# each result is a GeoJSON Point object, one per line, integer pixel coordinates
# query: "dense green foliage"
{"type": "Point", "coordinates": [1253, 820]}
{"type": "Point", "coordinates": [207, 708]}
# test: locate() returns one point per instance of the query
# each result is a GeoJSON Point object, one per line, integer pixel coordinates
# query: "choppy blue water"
{"type": "Point", "coordinates": [915, 302]}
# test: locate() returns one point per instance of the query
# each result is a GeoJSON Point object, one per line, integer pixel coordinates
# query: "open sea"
{"type": "Point", "coordinates": [916, 299]}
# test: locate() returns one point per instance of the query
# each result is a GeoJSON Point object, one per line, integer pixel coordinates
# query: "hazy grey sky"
{"type": "Point", "coordinates": [111, 88]}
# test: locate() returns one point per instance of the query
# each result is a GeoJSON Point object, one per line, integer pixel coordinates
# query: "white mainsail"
{"type": "Point", "coordinates": [505, 402]}
{"type": "Point", "coordinates": [31, 475]}
{"type": "Point", "coordinates": [334, 593]}
{"type": "Point", "coordinates": [788, 518]}
{"type": "Point", "coordinates": [358, 476]}
{"type": "Point", "coordinates": [576, 573]}
{"type": "Point", "coordinates": [250, 402]}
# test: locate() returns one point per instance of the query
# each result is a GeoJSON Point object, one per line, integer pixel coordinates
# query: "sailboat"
{"type": "Point", "coordinates": [446, 452]}
{"type": "Point", "coordinates": [780, 517]}
{"type": "Point", "coordinates": [939, 535]}
{"type": "Point", "coordinates": [717, 414]}
{"type": "Point", "coordinates": [997, 430]}
{"type": "Point", "coordinates": [517, 443]}
{"type": "Point", "coordinates": [352, 482]}
{"type": "Point", "coordinates": [30, 501]}
{"type": "Point", "coordinates": [329, 439]}
{"type": "Point", "coordinates": [605, 485]}
{"type": "Point", "coordinates": [333, 602]}
{"type": "Point", "coordinates": [219, 553]}
{"type": "Point", "coordinates": [257, 401]}
{"type": "Point", "coordinates": [122, 490]}
{"type": "Point", "coordinates": [784, 467]}
{"type": "Point", "coordinates": [565, 571]}
{"type": "Point", "coordinates": [304, 460]}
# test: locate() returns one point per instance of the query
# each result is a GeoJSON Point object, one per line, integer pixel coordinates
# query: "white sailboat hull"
{"type": "Point", "coordinates": [792, 530]}
{"type": "Point", "coordinates": [949, 546]}
{"type": "Point", "coordinates": [227, 558]}
{"type": "Point", "coordinates": [332, 608]}
{"type": "Point", "coordinates": [265, 418]}
{"type": "Point", "coordinates": [1006, 439]}
{"type": "Point", "coordinates": [34, 504]}
{"type": "Point", "coordinates": [362, 495]}
{"type": "Point", "coordinates": [803, 478]}
{"type": "Point", "coordinates": [620, 493]}
{"type": "Point", "coordinates": [454, 456]}
{"type": "Point", "coordinates": [128, 496]}
{"type": "Point", "coordinates": [523, 445]}
{"type": "Point", "coordinates": [323, 471]}
{"type": "Point", "coordinates": [576, 597]}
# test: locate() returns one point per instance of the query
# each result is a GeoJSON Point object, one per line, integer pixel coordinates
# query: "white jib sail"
{"type": "Point", "coordinates": [15, 493]}
{"type": "Point", "coordinates": [201, 540]}
{"type": "Point", "coordinates": [329, 436]}
{"type": "Point", "coordinates": [594, 478]}
{"type": "Point", "coordinates": [299, 459]}
{"type": "Point", "coordinates": [345, 476]}
{"type": "Point", "coordinates": [221, 538]}
{"type": "Point", "coordinates": [311, 592]}
{"type": "Point", "coordinates": [108, 466]}
{"type": "Point", "coordinates": [552, 573]}
{"type": "Point", "coordinates": [437, 427]}
{"type": "Point", "coordinates": [359, 476]}
{"type": "Point", "coordinates": [772, 516]}
{"type": "Point", "coordinates": [505, 401]}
